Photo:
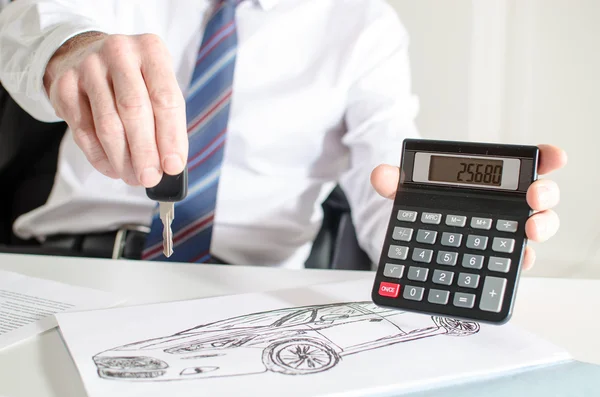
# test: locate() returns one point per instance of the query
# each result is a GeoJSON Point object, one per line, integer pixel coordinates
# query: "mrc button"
{"type": "Point", "coordinates": [389, 289]}
{"type": "Point", "coordinates": [429, 217]}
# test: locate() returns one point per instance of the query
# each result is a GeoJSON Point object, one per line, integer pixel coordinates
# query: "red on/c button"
{"type": "Point", "coordinates": [389, 289]}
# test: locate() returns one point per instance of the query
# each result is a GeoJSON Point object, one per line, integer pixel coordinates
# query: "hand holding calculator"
{"type": "Point", "coordinates": [456, 235]}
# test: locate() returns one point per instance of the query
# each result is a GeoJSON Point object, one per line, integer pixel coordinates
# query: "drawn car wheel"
{"type": "Point", "coordinates": [299, 357]}
{"type": "Point", "coordinates": [456, 327]}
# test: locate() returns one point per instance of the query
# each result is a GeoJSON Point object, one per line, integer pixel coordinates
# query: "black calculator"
{"type": "Point", "coordinates": [456, 235]}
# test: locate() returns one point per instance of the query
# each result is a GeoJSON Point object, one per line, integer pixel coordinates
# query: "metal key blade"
{"type": "Point", "coordinates": [167, 213]}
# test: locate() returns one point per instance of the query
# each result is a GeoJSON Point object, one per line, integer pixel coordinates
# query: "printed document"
{"type": "Point", "coordinates": [28, 304]}
{"type": "Point", "coordinates": [324, 340]}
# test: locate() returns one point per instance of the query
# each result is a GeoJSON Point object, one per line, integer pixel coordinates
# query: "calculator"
{"type": "Point", "coordinates": [456, 235]}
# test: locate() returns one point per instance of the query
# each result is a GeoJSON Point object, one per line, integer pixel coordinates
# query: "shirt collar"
{"type": "Point", "coordinates": [267, 4]}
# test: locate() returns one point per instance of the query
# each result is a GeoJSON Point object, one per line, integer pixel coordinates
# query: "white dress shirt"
{"type": "Point", "coordinates": [321, 95]}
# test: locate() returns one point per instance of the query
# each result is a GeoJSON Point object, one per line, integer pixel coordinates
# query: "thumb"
{"type": "Point", "coordinates": [384, 179]}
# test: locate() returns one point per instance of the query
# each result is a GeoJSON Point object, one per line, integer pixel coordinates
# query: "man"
{"type": "Point", "coordinates": [269, 102]}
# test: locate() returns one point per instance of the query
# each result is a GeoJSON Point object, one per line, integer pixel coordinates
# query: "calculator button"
{"type": "Point", "coordinates": [398, 252]}
{"type": "Point", "coordinates": [402, 233]}
{"type": "Point", "coordinates": [503, 244]}
{"type": "Point", "coordinates": [426, 236]}
{"type": "Point", "coordinates": [422, 255]}
{"type": "Point", "coordinates": [447, 258]}
{"type": "Point", "coordinates": [497, 264]}
{"type": "Point", "coordinates": [393, 270]}
{"type": "Point", "coordinates": [464, 300]}
{"type": "Point", "coordinates": [417, 273]}
{"type": "Point", "coordinates": [413, 293]}
{"type": "Point", "coordinates": [468, 280]}
{"type": "Point", "coordinates": [407, 216]}
{"type": "Point", "coordinates": [492, 294]}
{"type": "Point", "coordinates": [429, 217]}
{"type": "Point", "coordinates": [451, 239]}
{"type": "Point", "coordinates": [477, 242]}
{"type": "Point", "coordinates": [481, 223]}
{"type": "Point", "coordinates": [389, 289]}
{"type": "Point", "coordinates": [506, 226]}
{"type": "Point", "coordinates": [456, 220]}
{"type": "Point", "coordinates": [472, 261]}
{"type": "Point", "coordinates": [442, 277]}
{"type": "Point", "coordinates": [438, 296]}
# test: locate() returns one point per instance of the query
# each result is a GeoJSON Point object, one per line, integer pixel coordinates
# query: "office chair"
{"type": "Point", "coordinates": [336, 245]}
{"type": "Point", "coordinates": [28, 158]}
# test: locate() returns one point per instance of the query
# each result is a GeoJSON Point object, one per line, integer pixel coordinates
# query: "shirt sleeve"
{"type": "Point", "coordinates": [30, 32]}
{"type": "Point", "coordinates": [380, 114]}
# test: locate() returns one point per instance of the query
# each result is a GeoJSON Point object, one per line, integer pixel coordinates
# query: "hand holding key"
{"type": "Point", "coordinates": [170, 189]}
{"type": "Point", "coordinates": [120, 97]}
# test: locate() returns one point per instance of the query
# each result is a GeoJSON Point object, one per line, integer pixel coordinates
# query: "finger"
{"type": "Point", "coordinates": [384, 179]}
{"type": "Point", "coordinates": [64, 96]}
{"type": "Point", "coordinates": [135, 111]}
{"type": "Point", "coordinates": [543, 194]}
{"type": "Point", "coordinates": [551, 158]}
{"type": "Point", "coordinates": [72, 105]}
{"type": "Point", "coordinates": [107, 123]}
{"type": "Point", "coordinates": [86, 138]}
{"type": "Point", "coordinates": [542, 225]}
{"type": "Point", "coordinates": [168, 105]}
{"type": "Point", "coordinates": [528, 258]}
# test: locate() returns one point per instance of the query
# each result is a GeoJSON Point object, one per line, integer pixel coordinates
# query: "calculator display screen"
{"type": "Point", "coordinates": [467, 170]}
{"type": "Point", "coordinates": [471, 170]}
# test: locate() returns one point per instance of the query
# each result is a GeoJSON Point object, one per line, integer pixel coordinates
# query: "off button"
{"type": "Point", "coordinates": [407, 216]}
{"type": "Point", "coordinates": [389, 289]}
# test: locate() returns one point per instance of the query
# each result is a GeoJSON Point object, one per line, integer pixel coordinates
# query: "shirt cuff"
{"type": "Point", "coordinates": [35, 77]}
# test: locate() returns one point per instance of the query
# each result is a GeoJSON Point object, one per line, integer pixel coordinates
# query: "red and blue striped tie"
{"type": "Point", "coordinates": [207, 107]}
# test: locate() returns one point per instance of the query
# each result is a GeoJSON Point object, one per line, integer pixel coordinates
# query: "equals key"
{"type": "Point", "coordinates": [464, 300]}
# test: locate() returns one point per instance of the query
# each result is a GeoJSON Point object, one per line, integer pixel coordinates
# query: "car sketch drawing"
{"type": "Point", "coordinates": [293, 341]}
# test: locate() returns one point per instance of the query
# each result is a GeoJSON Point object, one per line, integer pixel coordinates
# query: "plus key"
{"type": "Point", "coordinates": [492, 294]}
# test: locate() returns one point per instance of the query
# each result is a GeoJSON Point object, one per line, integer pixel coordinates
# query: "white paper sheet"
{"type": "Point", "coordinates": [345, 346]}
{"type": "Point", "coordinates": [28, 305]}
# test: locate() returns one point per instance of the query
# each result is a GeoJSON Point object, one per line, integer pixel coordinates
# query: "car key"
{"type": "Point", "coordinates": [170, 189]}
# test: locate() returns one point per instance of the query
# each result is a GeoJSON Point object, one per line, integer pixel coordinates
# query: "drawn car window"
{"type": "Point", "coordinates": [300, 317]}
{"type": "Point", "coordinates": [373, 308]}
{"type": "Point", "coordinates": [267, 319]}
{"type": "Point", "coordinates": [338, 313]}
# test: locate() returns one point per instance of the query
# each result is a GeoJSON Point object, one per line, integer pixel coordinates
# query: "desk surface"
{"type": "Point", "coordinates": [562, 311]}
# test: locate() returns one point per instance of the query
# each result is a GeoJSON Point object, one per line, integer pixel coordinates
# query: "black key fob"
{"type": "Point", "coordinates": [171, 188]}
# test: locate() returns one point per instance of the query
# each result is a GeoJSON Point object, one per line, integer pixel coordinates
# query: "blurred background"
{"type": "Point", "coordinates": [519, 71]}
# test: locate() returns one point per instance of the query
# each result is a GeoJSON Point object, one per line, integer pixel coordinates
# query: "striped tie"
{"type": "Point", "coordinates": [207, 107]}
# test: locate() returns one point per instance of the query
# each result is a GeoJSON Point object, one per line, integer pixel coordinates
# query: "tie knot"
{"type": "Point", "coordinates": [230, 3]}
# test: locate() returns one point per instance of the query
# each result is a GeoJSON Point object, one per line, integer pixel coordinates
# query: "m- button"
{"type": "Point", "coordinates": [456, 220]}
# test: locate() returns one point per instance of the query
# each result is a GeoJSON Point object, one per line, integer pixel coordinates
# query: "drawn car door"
{"type": "Point", "coordinates": [350, 326]}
